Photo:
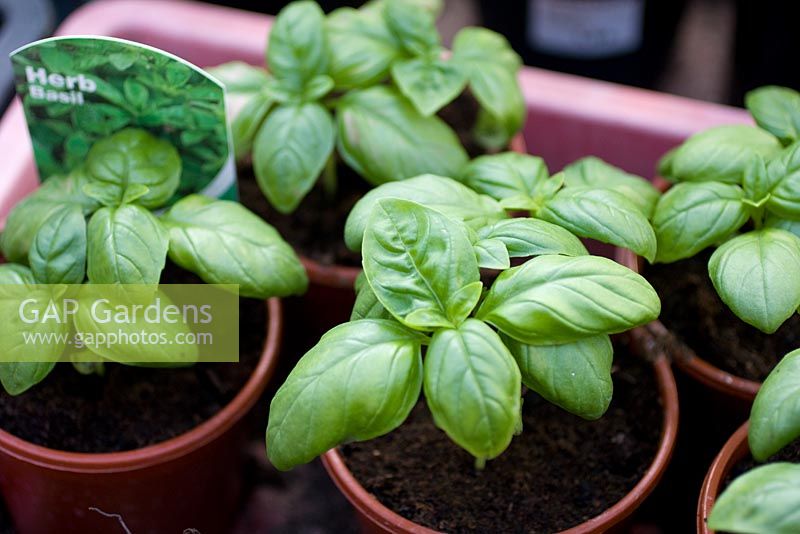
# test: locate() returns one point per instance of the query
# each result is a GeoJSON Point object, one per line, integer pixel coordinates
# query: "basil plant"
{"type": "Point", "coordinates": [366, 84]}
{"type": "Point", "coordinates": [98, 225]}
{"type": "Point", "coordinates": [766, 499]}
{"type": "Point", "coordinates": [424, 321]}
{"type": "Point", "coordinates": [738, 188]}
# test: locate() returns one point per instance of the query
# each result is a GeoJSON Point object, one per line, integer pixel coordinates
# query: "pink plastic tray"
{"type": "Point", "coordinates": [568, 116]}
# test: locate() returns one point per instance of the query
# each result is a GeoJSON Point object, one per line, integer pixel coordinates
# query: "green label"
{"type": "Point", "coordinates": [78, 90]}
{"type": "Point", "coordinates": [169, 324]}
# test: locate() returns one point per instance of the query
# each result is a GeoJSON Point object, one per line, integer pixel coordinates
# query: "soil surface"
{"type": "Point", "coordinates": [561, 471]}
{"type": "Point", "coordinates": [692, 310]}
{"type": "Point", "coordinates": [132, 407]}
{"type": "Point", "coordinates": [316, 228]}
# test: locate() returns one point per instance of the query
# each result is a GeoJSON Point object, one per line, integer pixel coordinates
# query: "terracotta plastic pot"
{"type": "Point", "coordinates": [191, 481]}
{"type": "Point", "coordinates": [734, 451]}
{"type": "Point", "coordinates": [377, 518]}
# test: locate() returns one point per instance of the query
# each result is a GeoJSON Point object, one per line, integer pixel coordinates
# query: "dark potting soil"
{"type": "Point", "coordinates": [692, 310]}
{"type": "Point", "coordinates": [560, 472]}
{"type": "Point", "coordinates": [132, 407]}
{"type": "Point", "coordinates": [316, 228]}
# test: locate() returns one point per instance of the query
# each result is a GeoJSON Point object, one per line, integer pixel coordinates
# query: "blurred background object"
{"type": "Point", "coordinates": [21, 21]}
{"type": "Point", "coordinates": [713, 50]}
{"type": "Point", "coordinates": [625, 41]}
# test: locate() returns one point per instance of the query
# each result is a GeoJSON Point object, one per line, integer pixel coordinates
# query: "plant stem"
{"type": "Point", "coordinates": [758, 217]}
{"type": "Point", "coordinates": [480, 463]}
{"type": "Point", "coordinates": [330, 180]}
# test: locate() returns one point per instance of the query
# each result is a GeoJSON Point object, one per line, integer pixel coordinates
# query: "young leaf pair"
{"type": "Point", "coordinates": [766, 500]}
{"type": "Point", "coordinates": [726, 178]}
{"type": "Point", "coordinates": [126, 176]}
{"type": "Point", "coordinates": [326, 88]}
{"type": "Point", "coordinates": [545, 323]}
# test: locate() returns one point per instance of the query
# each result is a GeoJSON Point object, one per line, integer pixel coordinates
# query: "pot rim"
{"type": "Point", "coordinates": [693, 365]}
{"type": "Point", "coordinates": [173, 448]}
{"type": "Point", "coordinates": [735, 450]}
{"type": "Point", "coordinates": [344, 276]}
{"type": "Point", "coordinates": [390, 521]}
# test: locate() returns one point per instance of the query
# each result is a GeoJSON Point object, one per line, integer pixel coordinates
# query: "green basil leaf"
{"type": "Point", "coordinates": [224, 243]}
{"type": "Point", "coordinates": [136, 299]}
{"type": "Point", "coordinates": [436, 192]}
{"type": "Point", "coordinates": [112, 195]}
{"type": "Point", "coordinates": [134, 192]}
{"type": "Point", "coordinates": [418, 260]}
{"type": "Point", "coordinates": [12, 273]}
{"type": "Point", "coordinates": [558, 299]}
{"type": "Point", "coordinates": [594, 172]}
{"type": "Point", "coordinates": [472, 386]}
{"type": "Point", "coordinates": [692, 216]}
{"type": "Point", "coordinates": [720, 154]}
{"type": "Point", "coordinates": [434, 7]}
{"type": "Point", "coordinates": [134, 156]}
{"type": "Point", "coordinates": [491, 65]}
{"type": "Point", "coordinates": [414, 28]}
{"type": "Point", "coordinates": [240, 78]}
{"type": "Point", "coordinates": [28, 215]}
{"type": "Point", "coordinates": [764, 500]}
{"type": "Point", "coordinates": [777, 110]}
{"type": "Point", "coordinates": [248, 122]}
{"type": "Point", "coordinates": [298, 44]}
{"type": "Point", "coordinates": [58, 252]}
{"type": "Point", "coordinates": [525, 237]}
{"type": "Point", "coordinates": [430, 84]}
{"type": "Point", "coordinates": [359, 382]}
{"type": "Point", "coordinates": [289, 152]}
{"type": "Point", "coordinates": [783, 183]}
{"type": "Point", "coordinates": [490, 133]}
{"type": "Point", "coordinates": [318, 87]}
{"type": "Point", "coordinates": [19, 371]}
{"type": "Point", "coordinates": [604, 215]}
{"type": "Point", "coordinates": [773, 221]}
{"type": "Point", "coordinates": [492, 254]}
{"type": "Point", "coordinates": [362, 47]}
{"type": "Point", "coordinates": [367, 305]}
{"type": "Point", "coordinates": [756, 275]}
{"type": "Point", "coordinates": [19, 377]}
{"type": "Point", "coordinates": [574, 376]}
{"type": "Point", "coordinates": [506, 175]}
{"type": "Point", "coordinates": [757, 184]}
{"type": "Point", "coordinates": [384, 138]}
{"type": "Point", "coordinates": [775, 417]}
{"type": "Point", "coordinates": [126, 245]}
{"type": "Point", "coordinates": [520, 203]}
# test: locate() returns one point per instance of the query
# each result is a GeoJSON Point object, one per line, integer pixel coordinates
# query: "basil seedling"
{"type": "Point", "coordinates": [327, 91]}
{"type": "Point", "coordinates": [767, 498]}
{"type": "Point", "coordinates": [729, 176]}
{"type": "Point", "coordinates": [124, 177]}
{"type": "Point", "coordinates": [545, 323]}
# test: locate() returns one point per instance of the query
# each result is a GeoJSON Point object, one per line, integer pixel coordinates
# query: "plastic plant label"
{"type": "Point", "coordinates": [78, 90]}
